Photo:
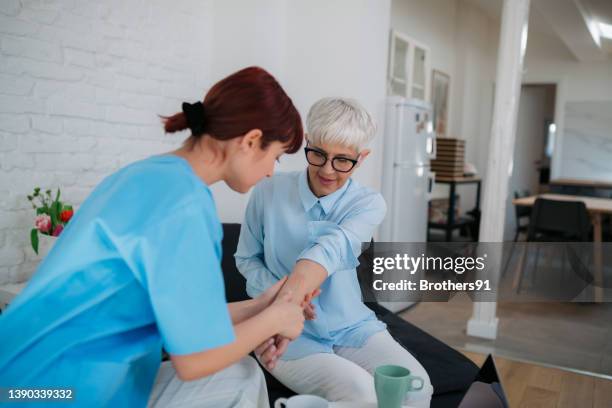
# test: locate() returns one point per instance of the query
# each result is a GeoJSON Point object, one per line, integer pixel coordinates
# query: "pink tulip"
{"type": "Point", "coordinates": [58, 230]}
{"type": "Point", "coordinates": [43, 223]}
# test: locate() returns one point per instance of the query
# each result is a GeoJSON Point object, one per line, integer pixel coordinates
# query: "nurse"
{"type": "Point", "coordinates": [309, 225]}
{"type": "Point", "coordinates": [138, 267]}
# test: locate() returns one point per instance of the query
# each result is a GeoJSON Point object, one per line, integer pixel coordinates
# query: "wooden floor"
{"type": "Point", "coordinates": [530, 385]}
{"type": "Point", "coordinates": [573, 335]}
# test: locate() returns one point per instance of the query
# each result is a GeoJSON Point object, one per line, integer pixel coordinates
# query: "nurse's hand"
{"type": "Point", "coordinates": [266, 298]}
{"type": "Point", "coordinates": [289, 316]}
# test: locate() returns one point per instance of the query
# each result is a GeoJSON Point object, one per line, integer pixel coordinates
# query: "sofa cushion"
{"type": "Point", "coordinates": [448, 369]}
{"type": "Point", "coordinates": [235, 283]}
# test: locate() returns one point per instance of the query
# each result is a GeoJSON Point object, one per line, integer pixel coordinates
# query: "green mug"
{"type": "Point", "coordinates": [392, 383]}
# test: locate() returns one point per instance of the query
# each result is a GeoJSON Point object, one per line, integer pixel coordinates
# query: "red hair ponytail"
{"type": "Point", "coordinates": [248, 99]}
{"type": "Point", "coordinates": [175, 123]}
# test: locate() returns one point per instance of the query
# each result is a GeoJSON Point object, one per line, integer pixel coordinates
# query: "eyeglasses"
{"type": "Point", "coordinates": [318, 158]}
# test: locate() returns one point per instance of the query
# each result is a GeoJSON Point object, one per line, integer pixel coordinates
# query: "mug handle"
{"type": "Point", "coordinates": [280, 403]}
{"type": "Point", "coordinates": [412, 379]}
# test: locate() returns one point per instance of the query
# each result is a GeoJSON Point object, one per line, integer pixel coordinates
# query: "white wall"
{"type": "Point", "coordinates": [463, 43]}
{"type": "Point", "coordinates": [315, 48]}
{"type": "Point", "coordinates": [434, 24]}
{"type": "Point", "coordinates": [476, 55]}
{"type": "Point", "coordinates": [81, 85]}
{"type": "Point", "coordinates": [475, 62]}
{"type": "Point", "coordinates": [534, 109]}
{"type": "Point", "coordinates": [587, 141]}
{"type": "Point", "coordinates": [548, 60]}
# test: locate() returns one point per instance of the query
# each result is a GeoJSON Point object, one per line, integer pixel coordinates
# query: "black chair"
{"type": "Point", "coordinates": [599, 192]}
{"type": "Point", "coordinates": [522, 213]}
{"type": "Point", "coordinates": [450, 372]}
{"type": "Point", "coordinates": [556, 221]}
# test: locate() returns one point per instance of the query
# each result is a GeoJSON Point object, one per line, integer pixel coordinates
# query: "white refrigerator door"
{"type": "Point", "coordinates": [412, 191]}
{"type": "Point", "coordinates": [409, 142]}
{"type": "Point", "coordinates": [412, 187]}
{"type": "Point", "coordinates": [416, 136]}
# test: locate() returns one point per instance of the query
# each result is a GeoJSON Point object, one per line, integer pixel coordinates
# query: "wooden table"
{"type": "Point", "coordinates": [597, 207]}
{"type": "Point", "coordinates": [580, 183]}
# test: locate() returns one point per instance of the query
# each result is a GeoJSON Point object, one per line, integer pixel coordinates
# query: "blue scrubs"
{"type": "Point", "coordinates": [136, 268]}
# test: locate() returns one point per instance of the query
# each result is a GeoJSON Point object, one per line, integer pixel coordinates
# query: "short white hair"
{"type": "Point", "coordinates": [340, 121]}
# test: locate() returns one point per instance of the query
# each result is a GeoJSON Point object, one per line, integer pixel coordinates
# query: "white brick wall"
{"type": "Point", "coordinates": [81, 85]}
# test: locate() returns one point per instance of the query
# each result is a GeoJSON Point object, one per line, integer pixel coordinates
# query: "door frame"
{"type": "Point", "coordinates": [560, 98]}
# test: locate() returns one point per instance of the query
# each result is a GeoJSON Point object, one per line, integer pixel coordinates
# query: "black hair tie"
{"type": "Point", "coordinates": [194, 112]}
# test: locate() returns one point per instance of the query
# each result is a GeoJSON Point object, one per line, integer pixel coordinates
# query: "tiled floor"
{"type": "Point", "coordinates": [570, 335]}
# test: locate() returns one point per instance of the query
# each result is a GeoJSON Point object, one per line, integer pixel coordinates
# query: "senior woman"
{"type": "Point", "coordinates": [309, 225]}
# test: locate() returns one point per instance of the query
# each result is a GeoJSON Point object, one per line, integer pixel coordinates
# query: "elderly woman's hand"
{"type": "Point", "coordinates": [309, 309]}
{"type": "Point", "coordinates": [270, 351]}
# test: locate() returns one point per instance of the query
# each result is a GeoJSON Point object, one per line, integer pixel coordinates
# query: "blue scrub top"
{"type": "Point", "coordinates": [286, 222]}
{"type": "Point", "coordinates": [136, 268]}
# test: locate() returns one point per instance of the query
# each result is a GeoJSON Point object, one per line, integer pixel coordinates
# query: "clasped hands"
{"type": "Point", "coordinates": [270, 350]}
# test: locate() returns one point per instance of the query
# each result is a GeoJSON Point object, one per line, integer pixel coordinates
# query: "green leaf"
{"type": "Point", "coordinates": [40, 210]}
{"type": "Point", "coordinates": [34, 239]}
{"type": "Point", "coordinates": [54, 212]}
{"type": "Point", "coordinates": [57, 196]}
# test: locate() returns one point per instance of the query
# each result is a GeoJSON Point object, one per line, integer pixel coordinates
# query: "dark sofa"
{"type": "Point", "coordinates": [450, 372]}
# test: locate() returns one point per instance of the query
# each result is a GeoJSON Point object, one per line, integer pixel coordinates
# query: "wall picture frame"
{"type": "Point", "coordinates": [440, 94]}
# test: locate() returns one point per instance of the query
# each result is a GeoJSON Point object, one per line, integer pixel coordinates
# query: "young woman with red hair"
{"type": "Point", "coordinates": [138, 267]}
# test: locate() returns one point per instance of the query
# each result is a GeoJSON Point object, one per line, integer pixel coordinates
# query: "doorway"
{"type": "Point", "coordinates": [533, 148]}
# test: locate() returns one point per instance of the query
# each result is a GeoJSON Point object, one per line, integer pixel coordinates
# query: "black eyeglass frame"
{"type": "Point", "coordinates": [310, 149]}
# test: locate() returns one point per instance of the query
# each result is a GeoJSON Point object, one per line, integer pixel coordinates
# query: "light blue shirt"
{"type": "Point", "coordinates": [136, 268]}
{"type": "Point", "coordinates": [286, 222]}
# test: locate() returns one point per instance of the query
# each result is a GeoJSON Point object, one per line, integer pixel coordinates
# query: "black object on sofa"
{"type": "Point", "coordinates": [450, 372]}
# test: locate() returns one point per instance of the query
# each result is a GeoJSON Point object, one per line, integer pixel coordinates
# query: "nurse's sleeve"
{"type": "Point", "coordinates": [336, 246]}
{"type": "Point", "coordinates": [180, 259]}
{"type": "Point", "coordinates": [250, 252]}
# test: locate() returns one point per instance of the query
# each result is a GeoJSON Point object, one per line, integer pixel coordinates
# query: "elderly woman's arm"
{"type": "Point", "coordinates": [305, 279]}
{"type": "Point", "coordinates": [335, 246]}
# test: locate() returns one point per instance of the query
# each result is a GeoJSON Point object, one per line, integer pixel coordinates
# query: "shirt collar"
{"type": "Point", "coordinates": [309, 199]}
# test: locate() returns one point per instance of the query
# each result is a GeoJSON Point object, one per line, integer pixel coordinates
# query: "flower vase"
{"type": "Point", "coordinates": [45, 243]}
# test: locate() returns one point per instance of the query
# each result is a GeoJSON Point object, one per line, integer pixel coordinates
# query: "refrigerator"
{"type": "Point", "coordinates": [409, 145]}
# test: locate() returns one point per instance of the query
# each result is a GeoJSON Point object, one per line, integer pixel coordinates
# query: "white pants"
{"type": "Point", "coordinates": [241, 385]}
{"type": "Point", "coordinates": [347, 375]}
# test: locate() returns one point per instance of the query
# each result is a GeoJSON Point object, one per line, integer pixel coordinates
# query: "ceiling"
{"type": "Point", "coordinates": [567, 20]}
{"type": "Point", "coordinates": [601, 10]}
